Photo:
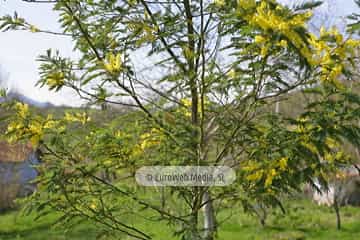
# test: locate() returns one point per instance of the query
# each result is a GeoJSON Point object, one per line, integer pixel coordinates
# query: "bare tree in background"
{"type": "Point", "coordinates": [3, 79]}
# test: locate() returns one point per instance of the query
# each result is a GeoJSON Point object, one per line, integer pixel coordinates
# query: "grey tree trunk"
{"type": "Point", "coordinates": [209, 217]}
{"type": "Point", "coordinates": [277, 107]}
{"type": "Point", "coordinates": [338, 189]}
{"type": "Point", "coordinates": [338, 217]}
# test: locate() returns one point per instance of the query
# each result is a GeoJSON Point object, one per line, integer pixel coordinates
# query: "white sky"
{"type": "Point", "coordinates": [19, 50]}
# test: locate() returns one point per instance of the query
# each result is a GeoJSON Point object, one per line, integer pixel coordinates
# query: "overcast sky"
{"type": "Point", "coordinates": [18, 50]}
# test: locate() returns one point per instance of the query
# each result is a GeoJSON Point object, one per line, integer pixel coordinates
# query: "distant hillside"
{"type": "Point", "coordinates": [22, 98]}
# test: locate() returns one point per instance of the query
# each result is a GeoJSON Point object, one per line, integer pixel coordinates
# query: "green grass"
{"type": "Point", "coordinates": [15, 226]}
{"type": "Point", "coordinates": [304, 220]}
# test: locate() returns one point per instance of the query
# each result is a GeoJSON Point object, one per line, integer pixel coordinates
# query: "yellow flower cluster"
{"type": "Point", "coordinates": [148, 32]}
{"type": "Point", "coordinates": [339, 156]}
{"type": "Point", "coordinates": [331, 143]}
{"type": "Point", "coordinates": [36, 131]}
{"type": "Point", "coordinates": [186, 110]}
{"type": "Point", "coordinates": [120, 134]}
{"type": "Point", "coordinates": [24, 126]}
{"type": "Point", "coordinates": [77, 117]}
{"type": "Point", "coordinates": [187, 103]}
{"type": "Point", "coordinates": [231, 73]}
{"type": "Point", "coordinates": [332, 54]}
{"type": "Point", "coordinates": [256, 176]}
{"type": "Point", "coordinates": [255, 172]}
{"type": "Point", "coordinates": [251, 166]}
{"type": "Point", "coordinates": [246, 4]}
{"type": "Point", "coordinates": [283, 162]}
{"type": "Point", "coordinates": [22, 109]}
{"type": "Point", "coordinates": [93, 206]}
{"type": "Point", "coordinates": [34, 29]}
{"type": "Point", "coordinates": [264, 43]}
{"type": "Point", "coordinates": [55, 79]}
{"type": "Point", "coordinates": [270, 177]}
{"type": "Point", "coordinates": [147, 140]}
{"type": "Point", "coordinates": [113, 64]}
{"type": "Point", "coordinates": [283, 43]}
{"type": "Point", "coordinates": [329, 51]}
{"type": "Point", "coordinates": [219, 3]}
{"type": "Point", "coordinates": [275, 20]}
{"type": "Point", "coordinates": [260, 39]}
{"type": "Point", "coordinates": [50, 124]}
{"type": "Point", "coordinates": [150, 139]}
{"type": "Point", "coordinates": [14, 127]}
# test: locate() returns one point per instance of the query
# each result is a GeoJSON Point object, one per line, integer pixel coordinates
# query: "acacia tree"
{"type": "Point", "coordinates": [199, 77]}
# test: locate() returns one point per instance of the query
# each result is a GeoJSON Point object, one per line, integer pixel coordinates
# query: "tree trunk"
{"type": "Point", "coordinates": [338, 217]}
{"type": "Point", "coordinates": [337, 201]}
{"type": "Point", "coordinates": [209, 217]}
{"type": "Point", "coordinates": [277, 107]}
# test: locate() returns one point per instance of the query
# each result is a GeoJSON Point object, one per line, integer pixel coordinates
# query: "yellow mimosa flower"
{"type": "Point", "coordinates": [219, 3]}
{"type": "Point", "coordinates": [260, 39]}
{"type": "Point", "coordinates": [231, 73]}
{"type": "Point", "coordinates": [283, 163]}
{"type": "Point", "coordinates": [93, 206]}
{"type": "Point", "coordinates": [264, 51]}
{"type": "Point", "coordinates": [33, 29]}
{"type": "Point", "coordinates": [55, 79]}
{"type": "Point", "coordinates": [22, 109]}
{"type": "Point", "coordinates": [113, 63]}
{"type": "Point", "coordinates": [255, 176]}
{"type": "Point", "coordinates": [246, 4]}
{"type": "Point", "coordinates": [283, 43]}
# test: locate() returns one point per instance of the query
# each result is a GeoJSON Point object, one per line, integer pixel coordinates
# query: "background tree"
{"type": "Point", "coordinates": [200, 95]}
{"type": "Point", "coordinates": [3, 79]}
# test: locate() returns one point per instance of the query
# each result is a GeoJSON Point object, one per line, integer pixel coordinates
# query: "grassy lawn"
{"type": "Point", "coordinates": [304, 220]}
{"type": "Point", "coordinates": [17, 227]}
